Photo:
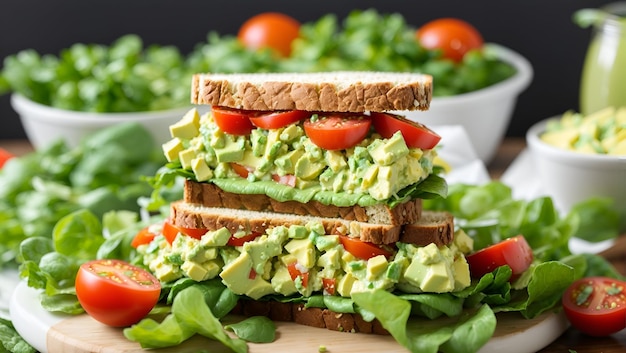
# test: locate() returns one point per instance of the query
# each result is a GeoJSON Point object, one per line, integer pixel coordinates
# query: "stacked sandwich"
{"type": "Point", "coordinates": [302, 189]}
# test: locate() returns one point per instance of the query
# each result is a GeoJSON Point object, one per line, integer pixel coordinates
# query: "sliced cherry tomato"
{"type": "Point", "coordinates": [234, 241]}
{"type": "Point", "coordinates": [276, 120]}
{"type": "Point", "coordinates": [144, 236]}
{"type": "Point", "coordinates": [295, 272]}
{"type": "Point", "coordinates": [514, 252]}
{"type": "Point", "coordinates": [252, 274]}
{"type": "Point", "coordinates": [415, 134]}
{"type": "Point", "coordinates": [361, 249]}
{"type": "Point", "coordinates": [289, 179]}
{"type": "Point", "coordinates": [232, 121]}
{"type": "Point", "coordinates": [338, 131]}
{"type": "Point", "coordinates": [270, 30]}
{"type": "Point", "coordinates": [170, 231]}
{"type": "Point", "coordinates": [5, 156]}
{"type": "Point", "coordinates": [115, 292]}
{"type": "Point", "coordinates": [454, 37]}
{"type": "Point", "coordinates": [195, 233]}
{"type": "Point", "coordinates": [596, 305]}
{"type": "Point", "coordinates": [329, 285]}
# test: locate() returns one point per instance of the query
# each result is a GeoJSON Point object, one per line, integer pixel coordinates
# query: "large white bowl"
{"type": "Point", "coordinates": [44, 124]}
{"type": "Point", "coordinates": [486, 113]}
{"type": "Point", "coordinates": [571, 177]}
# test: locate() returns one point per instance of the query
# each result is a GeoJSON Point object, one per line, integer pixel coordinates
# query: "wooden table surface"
{"type": "Point", "coordinates": [572, 341]}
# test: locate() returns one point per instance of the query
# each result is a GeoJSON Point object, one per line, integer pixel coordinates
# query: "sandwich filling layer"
{"type": "Point", "coordinates": [284, 164]}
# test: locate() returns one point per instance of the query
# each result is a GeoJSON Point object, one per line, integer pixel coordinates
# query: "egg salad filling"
{"type": "Point", "coordinates": [286, 165]}
{"type": "Point", "coordinates": [302, 260]}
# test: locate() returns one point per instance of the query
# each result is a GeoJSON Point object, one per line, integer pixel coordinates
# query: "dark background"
{"type": "Point", "coordinates": [540, 30]}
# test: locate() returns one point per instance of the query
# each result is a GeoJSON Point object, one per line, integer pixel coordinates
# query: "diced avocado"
{"type": "Point", "coordinates": [188, 126]}
{"type": "Point", "coordinates": [376, 266]}
{"type": "Point", "coordinates": [308, 168]}
{"type": "Point", "coordinates": [385, 184]}
{"type": "Point", "coordinates": [394, 271]}
{"type": "Point", "coordinates": [201, 169]}
{"type": "Point", "coordinates": [200, 272]}
{"type": "Point", "coordinates": [330, 260]}
{"type": "Point", "coordinates": [290, 133]}
{"type": "Point", "coordinates": [461, 271]}
{"type": "Point", "coordinates": [345, 284]}
{"type": "Point", "coordinates": [297, 232]}
{"type": "Point", "coordinates": [264, 248]}
{"type": "Point", "coordinates": [163, 270]}
{"type": "Point", "coordinates": [287, 162]}
{"type": "Point", "coordinates": [326, 242]}
{"type": "Point", "coordinates": [335, 160]}
{"type": "Point", "coordinates": [303, 250]}
{"type": "Point", "coordinates": [172, 148]}
{"type": "Point", "coordinates": [201, 254]}
{"type": "Point", "coordinates": [238, 277]}
{"type": "Point", "coordinates": [436, 277]}
{"type": "Point", "coordinates": [215, 238]}
{"type": "Point", "coordinates": [232, 151]}
{"type": "Point", "coordinates": [282, 282]}
{"type": "Point", "coordinates": [369, 178]}
{"type": "Point", "coordinates": [388, 151]}
{"type": "Point", "coordinates": [186, 157]}
{"type": "Point", "coordinates": [258, 140]}
{"type": "Point", "coordinates": [463, 242]}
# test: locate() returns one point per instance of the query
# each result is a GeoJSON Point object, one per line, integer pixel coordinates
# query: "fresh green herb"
{"type": "Point", "coordinates": [103, 173]}
{"type": "Point", "coordinates": [128, 76]}
{"type": "Point", "coordinates": [258, 329]}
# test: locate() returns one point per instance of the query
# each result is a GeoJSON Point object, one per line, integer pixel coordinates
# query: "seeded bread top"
{"type": "Point", "coordinates": [345, 91]}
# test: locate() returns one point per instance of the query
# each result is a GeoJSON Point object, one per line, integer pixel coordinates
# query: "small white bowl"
{"type": "Point", "coordinates": [570, 177]}
{"type": "Point", "coordinates": [45, 125]}
{"type": "Point", "coordinates": [486, 113]}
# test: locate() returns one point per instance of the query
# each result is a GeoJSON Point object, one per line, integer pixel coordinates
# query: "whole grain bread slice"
{"type": "Point", "coordinates": [345, 91]}
{"type": "Point", "coordinates": [434, 227]}
{"type": "Point", "coordinates": [314, 317]}
{"type": "Point", "coordinates": [210, 195]}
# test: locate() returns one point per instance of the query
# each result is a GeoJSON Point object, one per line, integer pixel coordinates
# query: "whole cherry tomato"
{"type": "Point", "coordinates": [454, 37]}
{"type": "Point", "coordinates": [270, 30]}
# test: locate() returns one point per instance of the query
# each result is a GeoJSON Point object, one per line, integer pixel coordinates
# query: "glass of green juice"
{"type": "Point", "coordinates": [603, 79]}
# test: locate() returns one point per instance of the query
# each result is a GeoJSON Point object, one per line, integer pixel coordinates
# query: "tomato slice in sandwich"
{"type": "Point", "coordinates": [337, 131]}
{"type": "Point", "coordinates": [361, 249]}
{"type": "Point", "coordinates": [415, 134]}
{"type": "Point", "coordinates": [276, 120]}
{"type": "Point", "coordinates": [232, 121]}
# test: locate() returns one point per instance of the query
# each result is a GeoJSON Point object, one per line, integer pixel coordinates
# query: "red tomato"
{"type": "Point", "coordinates": [514, 252]}
{"type": "Point", "coordinates": [276, 120]}
{"type": "Point", "coordinates": [115, 292]}
{"type": "Point", "coordinates": [170, 231]}
{"type": "Point", "coordinates": [596, 305]}
{"type": "Point", "coordinates": [232, 121]}
{"type": "Point", "coordinates": [361, 249]}
{"type": "Point", "coordinates": [329, 285]}
{"type": "Point", "coordinates": [241, 170]}
{"type": "Point", "coordinates": [144, 236]}
{"type": "Point", "coordinates": [338, 131]}
{"type": "Point", "coordinates": [415, 134]}
{"type": "Point", "coordinates": [234, 241]}
{"type": "Point", "coordinates": [270, 30]}
{"type": "Point", "coordinates": [294, 272]}
{"type": "Point", "coordinates": [454, 37]}
{"type": "Point", "coordinates": [5, 156]}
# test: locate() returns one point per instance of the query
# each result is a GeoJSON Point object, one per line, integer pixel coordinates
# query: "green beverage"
{"type": "Point", "coordinates": [603, 81]}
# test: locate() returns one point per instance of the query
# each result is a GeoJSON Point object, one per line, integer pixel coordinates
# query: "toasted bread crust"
{"type": "Point", "coordinates": [315, 317]}
{"type": "Point", "coordinates": [210, 195]}
{"type": "Point", "coordinates": [326, 92]}
{"type": "Point", "coordinates": [436, 227]}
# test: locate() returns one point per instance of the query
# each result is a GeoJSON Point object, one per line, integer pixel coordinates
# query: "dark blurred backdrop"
{"type": "Point", "coordinates": [540, 30]}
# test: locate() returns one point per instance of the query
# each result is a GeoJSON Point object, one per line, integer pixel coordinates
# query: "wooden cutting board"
{"type": "Point", "coordinates": [82, 334]}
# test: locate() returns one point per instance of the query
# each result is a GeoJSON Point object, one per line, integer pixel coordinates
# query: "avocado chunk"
{"type": "Point", "coordinates": [172, 148]}
{"type": "Point", "coordinates": [386, 152]}
{"type": "Point", "coordinates": [239, 277]}
{"type": "Point", "coordinates": [232, 151]}
{"type": "Point", "coordinates": [188, 126]}
{"type": "Point", "coordinates": [303, 250]}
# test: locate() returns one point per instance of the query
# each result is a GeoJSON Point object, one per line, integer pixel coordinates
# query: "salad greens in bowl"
{"type": "Point", "coordinates": [128, 76]}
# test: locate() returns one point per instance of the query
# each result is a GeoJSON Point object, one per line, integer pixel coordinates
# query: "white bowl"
{"type": "Point", "coordinates": [486, 113]}
{"type": "Point", "coordinates": [45, 125]}
{"type": "Point", "coordinates": [570, 177]}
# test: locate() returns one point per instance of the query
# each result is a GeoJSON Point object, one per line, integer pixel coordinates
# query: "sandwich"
{"type": "Point", "coordinates": [303, 189]}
